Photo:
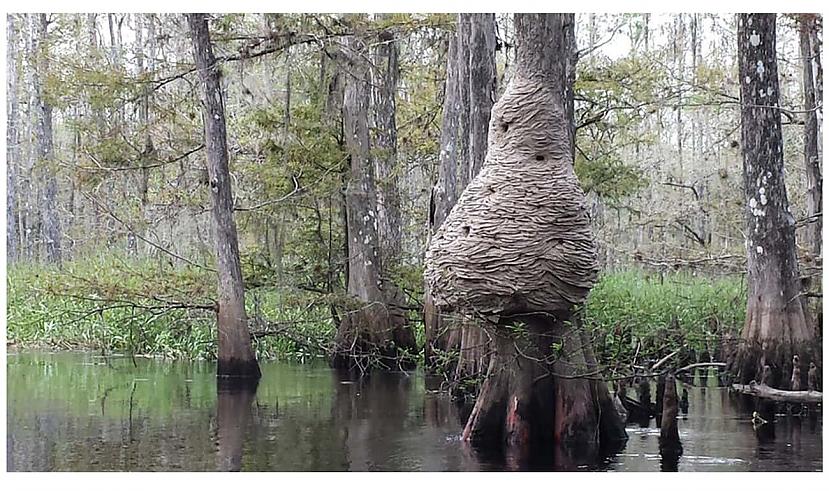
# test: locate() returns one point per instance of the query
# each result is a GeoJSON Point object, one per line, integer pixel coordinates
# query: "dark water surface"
{"type": "Point", "coordinates": [78, 412]}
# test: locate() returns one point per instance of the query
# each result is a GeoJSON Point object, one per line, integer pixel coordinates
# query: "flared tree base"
{"type": "Point", "coordinates": [750, 357]}
{"type": "Point", "coordinates": [533, 397]}
{"type": "Point", "coordinates": [372, 338]}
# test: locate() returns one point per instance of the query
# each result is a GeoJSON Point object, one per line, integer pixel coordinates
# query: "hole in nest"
{"type": "Point", "coordinates": [465, 230]}
{"type": "Point", "coordinates": [539, 158]}
{"type": "Point", "coordinates": [504, 126]}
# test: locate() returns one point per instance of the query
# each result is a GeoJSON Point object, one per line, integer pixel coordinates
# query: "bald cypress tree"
{"type": "Point", "coordinates": [469, 96]}
{"type": "Point", "coordinates": [374, 331]}
{"type": "Point", "coordinates": [776, 325]}
{"type": "Point", "coordinates": [236, 358]}
{"type": "Point", "coordinates": [518, 253]}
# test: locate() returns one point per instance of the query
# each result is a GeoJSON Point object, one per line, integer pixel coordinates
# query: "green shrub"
{"type": "Point", "coordinates": [657, 314]}
{"type": "Point", "coordinates": [123, 305]}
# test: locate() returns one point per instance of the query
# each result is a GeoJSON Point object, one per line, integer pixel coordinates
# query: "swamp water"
{"type": "Point", "coordinates": [83, 412]}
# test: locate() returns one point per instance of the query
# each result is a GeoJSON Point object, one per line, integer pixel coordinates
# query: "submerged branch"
{"type": "Point", "coordinates": [766, 392]}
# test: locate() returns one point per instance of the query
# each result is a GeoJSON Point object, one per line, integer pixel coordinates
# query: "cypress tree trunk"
{"type": "Point", "coordinates": [668, 429]}
{"type": "Point", "coordinates": [469, 96]}
{"type": "Point", "coordinates": [235, 357]}
{"type": "Point", "coordinates": [374, 330]}
{"type": "Point", "coordinates": [474, 351]}
{"type": "Point", "coordinates": [443, 198]}
{"type": "Point", "coordinates": [386, 73]}
{"type": "Point", "coordinates": [670, 446]}
{"type": "Point", "coordinates": [776, 326]}
{"type": "Point", "coordinates": [814, 179]}
{"type": "Point", "coordinates": [517, 250]}
{"type": "Point", "coordinates": [45, 151]}
{"type": "Point", "coordinates": [12, 139]}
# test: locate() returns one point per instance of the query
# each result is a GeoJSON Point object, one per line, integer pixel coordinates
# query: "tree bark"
{"type": "Point", "coordinates": [473, 355]}
{"type": "Point", "coordinates": [469, 95]}
{"type": "Point", "coordinates": [776, 326]}
{"type": "Point", "coordinates": [814, 178]}
{"type": "Point", "coordinates": [28, 190]}
{"type": "Point", "coordinates": [668, 429]}
{"type": "Point", "coordinates": [12, 139]}
{"type": "Point", "coordinates": [386, 73]}
{"type": "Point", "coordinates": [235, 353]}
{"type": "Point", "coordinates": [817, 50]}
{"type": "Point", "coordinates": [45, 150]}
{"type": "Point", "coordinates": [443, 197]}
{"type": "Point", "coordinates": [670, 446]}
{"type": "Point", "coordinates": [374, 332]}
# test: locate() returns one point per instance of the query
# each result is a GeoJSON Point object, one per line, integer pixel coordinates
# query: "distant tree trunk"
{"type": "Point", "coordinates": [482, 85]}
{"type": "Point", "coordinates": [113, 56]}
{"type": "Point", "coordinates": [646, 27]}
{"type": "Point", "coordinates": [12, 139]}
{"type": "Point", "coordinates": [816, 34]}
{"type": "Point", "coordinates": [235, 354]}
{"type": "Point", "coordinates": [469, 96]}
{"type": "Point", "coordinates": [374, 331]}
{"type": "Point", "coordinates": [92, 30]}
{"type": "Point", "coordinates": [776, 326]}
{"type": "Point", "coordinates": [443, 197]}
{"type": "Point", "coordinates": [45, 150]}
{"type": "Point", "coordinates": [464, 50]}
{"type": "Point", "coordinates": [679, 59]}
{"type": "Point", "coordinates": [143, 117]}
{"type": "Point", "coordinates": [28, 192]}
{"type": "Point", "coordinates": [814, 178]}
{"type": "Point", "coordinates": [694, 51]}
{"type": "Point", "coordinates": [386, 72]}
{"type": "Point", "coordinates": [571, 58]}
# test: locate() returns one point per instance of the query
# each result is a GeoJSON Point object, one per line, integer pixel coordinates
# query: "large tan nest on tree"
{"type": "Point", "coordinates": [519, 238]}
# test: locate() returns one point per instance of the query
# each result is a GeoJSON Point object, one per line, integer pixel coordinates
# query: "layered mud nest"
{"type": "Point", "coordinates": [519, 238]}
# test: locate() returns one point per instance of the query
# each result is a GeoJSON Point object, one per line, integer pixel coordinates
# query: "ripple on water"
{"type": "Point", "coordinates": [704, 459]}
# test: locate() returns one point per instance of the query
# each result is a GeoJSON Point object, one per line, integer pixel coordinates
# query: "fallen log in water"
{"type": "Point", "coordinates": [766, 392]}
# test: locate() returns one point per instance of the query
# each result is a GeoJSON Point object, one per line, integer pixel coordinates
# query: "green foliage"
{"type": "Point", "coordinates": [613, 99]}
{"type": "Point", "coordinates": [109, 304]}
{"type": "Point", "coordinates": [115, 305]}
{"type": "Point", "coordinates": [627, 309]}
{"type": "Point", "coordinates": [609, 177]}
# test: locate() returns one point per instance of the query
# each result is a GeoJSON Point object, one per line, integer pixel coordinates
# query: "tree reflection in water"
{"type": "Point", "coordinates": [233, 413]}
